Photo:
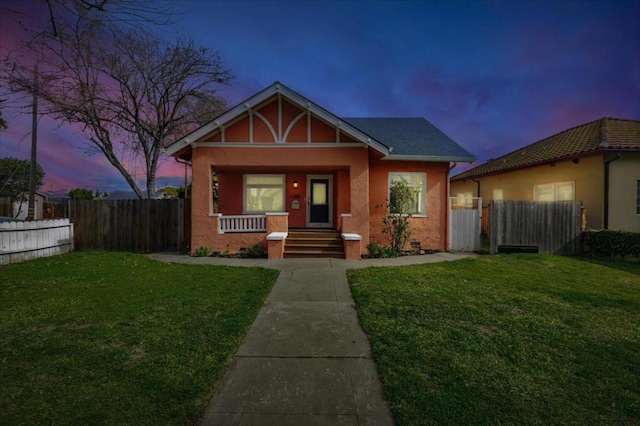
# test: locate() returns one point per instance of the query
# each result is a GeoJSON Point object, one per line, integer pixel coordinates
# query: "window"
{"type": "Point", "coordinates": [417, 183]}
{"type": "Point", "coordinates": [498, 194]}
{"type": "Point", "coordinates": [263, 193]}
{"type": "Point", "coordinates": [563, 191]}
{"type": "Point", "coordinates": [463, 200]}
{"type": "Point", "coordinates": [638, 197]}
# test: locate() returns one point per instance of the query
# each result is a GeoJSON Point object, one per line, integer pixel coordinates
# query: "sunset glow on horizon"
{"type": "Point", "coordinates": [492, 75]}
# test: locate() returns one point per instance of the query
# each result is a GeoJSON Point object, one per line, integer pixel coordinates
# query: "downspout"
{"type": "Point", "coordinates": [448, 204]}
{"type": "Point", "coordinates": [606, 189]}
{"type": "Point", "coordinates": [477, 187]}
{"type": "Point", "coordinates": [186, 164]}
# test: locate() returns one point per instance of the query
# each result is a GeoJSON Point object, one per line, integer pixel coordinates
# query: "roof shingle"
{"type": "Point", "coordinates": [415, 137]}
{"type": "Point", "coordinates": [605, 134]}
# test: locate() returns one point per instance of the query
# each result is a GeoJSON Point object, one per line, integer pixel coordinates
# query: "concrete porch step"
{"type": "Point", "coordinates": [313, 243]}
{"type": "Point", "coordinates": [311, 254]}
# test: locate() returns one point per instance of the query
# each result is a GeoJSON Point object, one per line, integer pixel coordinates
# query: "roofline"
{"type": "Point", "coordinates": [594, 151]}
{"type": "Point", "coordinates": [262, 96]}
{"type": "Point", "coordinates": [583, 154]}
{"type": "Point", "coordinates": [432, 158]}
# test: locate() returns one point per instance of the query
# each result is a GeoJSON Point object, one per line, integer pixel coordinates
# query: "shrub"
{"type": "Point", "coordinates": [610, 243]}
{"type": "Point", "coordinates": [395, 222]}
{"type": "Point", "coordinates": [256, 251]}
{"type": "Point", "coordinates": [203, 251]}
{"type": "Point", "coordinates": [378, 251]}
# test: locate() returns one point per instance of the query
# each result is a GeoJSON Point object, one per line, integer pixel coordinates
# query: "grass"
{"type": "Point", "coordinates": [506, 339]}
{"type": "Point", "coordinates": [116, 338]}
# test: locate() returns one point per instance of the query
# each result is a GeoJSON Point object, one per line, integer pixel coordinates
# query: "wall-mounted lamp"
{"type": "Point", "coordinates": [295, 184]}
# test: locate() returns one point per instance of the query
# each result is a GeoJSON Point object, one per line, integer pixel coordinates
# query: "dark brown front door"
{"type": "Point", "coordinates": [319, 202]}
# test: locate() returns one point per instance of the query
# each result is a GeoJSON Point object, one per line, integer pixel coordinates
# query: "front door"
{"type": "Point", "coordinates": [319, 202]}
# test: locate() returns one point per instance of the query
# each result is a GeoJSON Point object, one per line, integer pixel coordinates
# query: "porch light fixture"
{"type": "Point", "coordinates": [295, 184]}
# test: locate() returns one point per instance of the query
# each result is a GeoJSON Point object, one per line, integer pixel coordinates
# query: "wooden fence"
{"type": "Point", "coordinates": [20, 241]}
{"type": "Point", "coordinates": [485, 220]}
{"type": "Point", "coordinates": [6, 208]}
{"type": "Point", "coordinates": [55, 210]}
{"type": "Point", "coordinates": [543, 227]}
{"type": "Point", "coordinates": [141, 226]}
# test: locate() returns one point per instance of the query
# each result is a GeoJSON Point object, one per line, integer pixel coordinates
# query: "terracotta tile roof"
{"type": "Point", "coordinates": [605, 134]}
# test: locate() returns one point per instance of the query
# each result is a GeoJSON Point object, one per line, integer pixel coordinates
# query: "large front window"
{"type": "Point", "coordinates": [263, 193]}
{"type": "Point", "coordinates": [563, 191]}
{"type": "Point", "coordinates": [417, 184]}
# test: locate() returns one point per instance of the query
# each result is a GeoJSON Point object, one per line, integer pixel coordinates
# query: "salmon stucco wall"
{"type": "Point", "coordinates": [297, 217]}
{"type": "Point", "coordinates": [230, 197]}
{"type": "Point", "coordinates": [431, 230]}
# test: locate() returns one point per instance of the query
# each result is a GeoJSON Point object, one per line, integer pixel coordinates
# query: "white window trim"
{"type": "Point", "coordinates": [554, 185]}
{"type": "Point", "coordinates": [424, 190]}
{"type": "Point", "coordinates": [244, 192]}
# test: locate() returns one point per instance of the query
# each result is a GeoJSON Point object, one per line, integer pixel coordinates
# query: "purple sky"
{"type": "Point", "coordinates": [494, 76]}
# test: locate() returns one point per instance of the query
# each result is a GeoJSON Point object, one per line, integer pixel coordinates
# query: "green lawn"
{"type": "Point", "coordinates": [506, 339]}
{"type": "Point", "coordinates": [116, 338]}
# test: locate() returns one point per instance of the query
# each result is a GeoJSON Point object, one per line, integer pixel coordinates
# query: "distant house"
{"type": "Point", "coordinates": [597, 163]}
{"type": "Point", "coordinates": [21, 208]}
{"type": "Point", "coordinates": [283, 168]}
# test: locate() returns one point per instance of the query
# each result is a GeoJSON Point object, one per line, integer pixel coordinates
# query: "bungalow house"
{"type": "Point", "coordinates": [597, 163]}
{"type": "Point", "coordinates": [278, 169]}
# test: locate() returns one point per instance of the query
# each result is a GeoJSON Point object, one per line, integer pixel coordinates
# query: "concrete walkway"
{"type": "Point", "coordinates": [305, 359]}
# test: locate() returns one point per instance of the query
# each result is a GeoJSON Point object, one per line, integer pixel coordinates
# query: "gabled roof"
{"type": "Point", "coordinates": [412, 139]}
{"type": "Point", "coordinates": [394, 138]}
{"type": "Point", "coordinates": [262, 96]}
{"type": "Point", "coordinates": [605, 134]}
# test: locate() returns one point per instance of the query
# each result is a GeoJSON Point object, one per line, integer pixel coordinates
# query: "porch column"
{"type": "Point", "coordinates": [277, 231]}
{"type": "Point", "coordinates": [202, 232]}
{"type": "Point", "coordinates": [358, 223]}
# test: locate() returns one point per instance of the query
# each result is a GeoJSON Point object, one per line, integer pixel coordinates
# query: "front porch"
{"type": "Point", "coordinates": [271, 230]}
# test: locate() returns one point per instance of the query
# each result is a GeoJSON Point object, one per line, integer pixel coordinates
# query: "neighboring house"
{"type": "Point", "coordinates": [21, 208]}
{"type": "Point", "coordinates": [281, 162]}
{"type": "Point", "coordinates": [597, 163]}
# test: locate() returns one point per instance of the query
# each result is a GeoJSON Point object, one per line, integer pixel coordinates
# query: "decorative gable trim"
{"type": "Point", "coordinates": [279, 134]}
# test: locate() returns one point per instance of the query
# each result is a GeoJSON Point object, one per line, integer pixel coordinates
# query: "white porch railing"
{"type": "Point", "coordinates": [242, 223]}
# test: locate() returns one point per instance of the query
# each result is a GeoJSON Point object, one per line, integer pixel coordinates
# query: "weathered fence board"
{"type": "Point", "coordinates": [141, 226]}
{"type": "Point", "coordinates": [6, 208]}
{"type": "Point", "coordinates": [485, 220]}
{"type": "Point", "coordinates": [55, 210]}
{"type": "Point", "coordinates": [551, 227]}
{"type": "Point", "coordinates": [20, 241]}
{"type": "Point", "coordinates": [465, 225]}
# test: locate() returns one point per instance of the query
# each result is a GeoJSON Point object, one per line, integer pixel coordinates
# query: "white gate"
{"type": "Point", "coordinates": [465, 223]}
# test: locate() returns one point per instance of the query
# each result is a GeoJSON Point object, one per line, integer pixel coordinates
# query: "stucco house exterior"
{"type": "Point", "coordinates": [597, 163]}
{"type": "Point", "coordinates": [289, 174]}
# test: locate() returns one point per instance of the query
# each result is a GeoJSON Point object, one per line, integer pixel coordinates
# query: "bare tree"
{"type": "Point", "coordinates": [130, 91]}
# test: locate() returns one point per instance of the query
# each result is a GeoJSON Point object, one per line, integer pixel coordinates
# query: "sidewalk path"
{"type": "Point", "coordinates": [305, 359]}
